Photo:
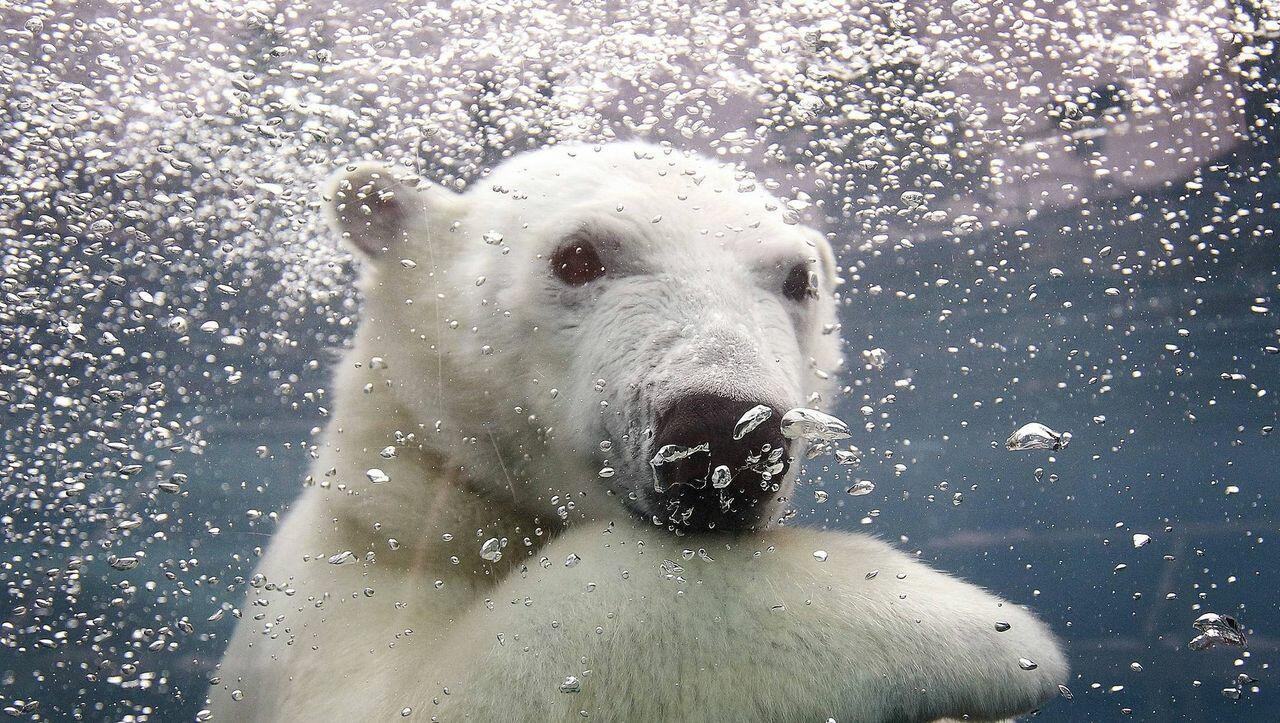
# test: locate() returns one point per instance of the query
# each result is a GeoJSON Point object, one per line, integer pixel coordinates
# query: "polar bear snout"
{"type": "Point", "coordinates": [704, 477]}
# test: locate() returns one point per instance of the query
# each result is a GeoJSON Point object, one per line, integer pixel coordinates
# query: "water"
{"type": "Point", "coordinates": [201, 348]}
{"type": "Point", "coordinates": [1177, 438]}
{"type": "Point", "coordinates": [1051, 540]}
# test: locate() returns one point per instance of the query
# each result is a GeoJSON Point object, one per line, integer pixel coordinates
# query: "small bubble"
{"type": "Point", "coordinates": [1217, 629]}
{"type": "Point", "coordinates": [813, 425]}
{"type": "Point", "coordinates": [721, 476]}
{"type": "Point", "coordinates": [122, 563]}
{"type": "Point", "coordinates": [875, 358]}
{"type": "Point", "coordinates": [861, 487]}
{"type": "Point", "coordinates": [752, 419]}
{"type": "Point", "coordinates": [491, 550]}
{"type": "Point", "coordinates": [1036, 436]}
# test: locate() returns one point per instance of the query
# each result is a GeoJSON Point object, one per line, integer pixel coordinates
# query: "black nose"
{"type": "Point", "coordinates": [703, 477]}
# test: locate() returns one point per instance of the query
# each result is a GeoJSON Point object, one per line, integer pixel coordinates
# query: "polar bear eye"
{"type": "Point", "coordinates": [577, 263]}
{"type": "Point", "coordinates": [801, 283]}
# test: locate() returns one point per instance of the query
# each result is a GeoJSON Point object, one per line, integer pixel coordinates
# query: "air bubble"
{"type": "Point", "coordinates": [1036, 436]}
{"type": "Point", "coordinates": [752, 419]}
{"type": "Point", "coordinates": [813, 425]}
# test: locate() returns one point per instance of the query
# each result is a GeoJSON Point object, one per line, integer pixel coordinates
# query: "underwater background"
{"type": "Point", "coordinates": [165, 357]}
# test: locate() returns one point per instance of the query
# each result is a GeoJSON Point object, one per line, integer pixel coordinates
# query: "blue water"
{"type": "Point", "coordinates": [1147, 469]}
{"type": "Point", "coordinates": [1053, 542]}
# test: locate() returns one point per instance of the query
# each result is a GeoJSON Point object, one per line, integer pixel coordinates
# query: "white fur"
{"type": "Point", "coordinates": [760, 631]}
{"type": "Point", "coordinates": [462, 389]}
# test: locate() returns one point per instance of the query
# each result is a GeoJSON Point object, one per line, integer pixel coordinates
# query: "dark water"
{"type": "Point", "coordinates": [982, 360]}
{"type": "Point", "coordinates": [1149, 468]}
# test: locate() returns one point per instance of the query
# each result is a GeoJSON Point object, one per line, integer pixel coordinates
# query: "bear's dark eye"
{"type": "Point", "coordinates": [801, 283]}
{"type": "Point", "coordinates": [577, 263]}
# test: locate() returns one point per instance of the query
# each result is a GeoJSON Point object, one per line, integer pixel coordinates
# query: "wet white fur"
{"type": "Point", "coordinates": [485, 449]}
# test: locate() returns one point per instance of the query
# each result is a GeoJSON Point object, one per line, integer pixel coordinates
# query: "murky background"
{"type": "Point", "coordinates": [1062, 214]}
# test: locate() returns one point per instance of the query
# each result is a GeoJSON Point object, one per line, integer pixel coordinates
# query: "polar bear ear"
{"type": "Point", "coordinates": [377, 209]}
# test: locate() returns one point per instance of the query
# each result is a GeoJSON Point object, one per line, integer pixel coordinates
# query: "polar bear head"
{"type": "Point", "coordinates": [582, 310]}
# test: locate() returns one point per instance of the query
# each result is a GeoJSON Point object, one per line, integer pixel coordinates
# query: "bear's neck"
{"type": "Point", "coordinates": [387, 487]}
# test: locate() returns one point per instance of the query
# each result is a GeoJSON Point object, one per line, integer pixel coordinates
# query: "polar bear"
{"type": "Point", "coordinates": [485, 534]}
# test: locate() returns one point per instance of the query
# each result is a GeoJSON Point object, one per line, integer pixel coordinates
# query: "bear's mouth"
{"type": "Point", "coordinates": [688, 509]}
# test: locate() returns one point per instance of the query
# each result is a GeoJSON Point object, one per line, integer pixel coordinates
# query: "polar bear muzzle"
{"type": "Point", "coordinates": [708, 477]}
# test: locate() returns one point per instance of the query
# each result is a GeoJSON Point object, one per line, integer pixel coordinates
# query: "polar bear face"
{"type": "Point", "coordinates": [583, 308]}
